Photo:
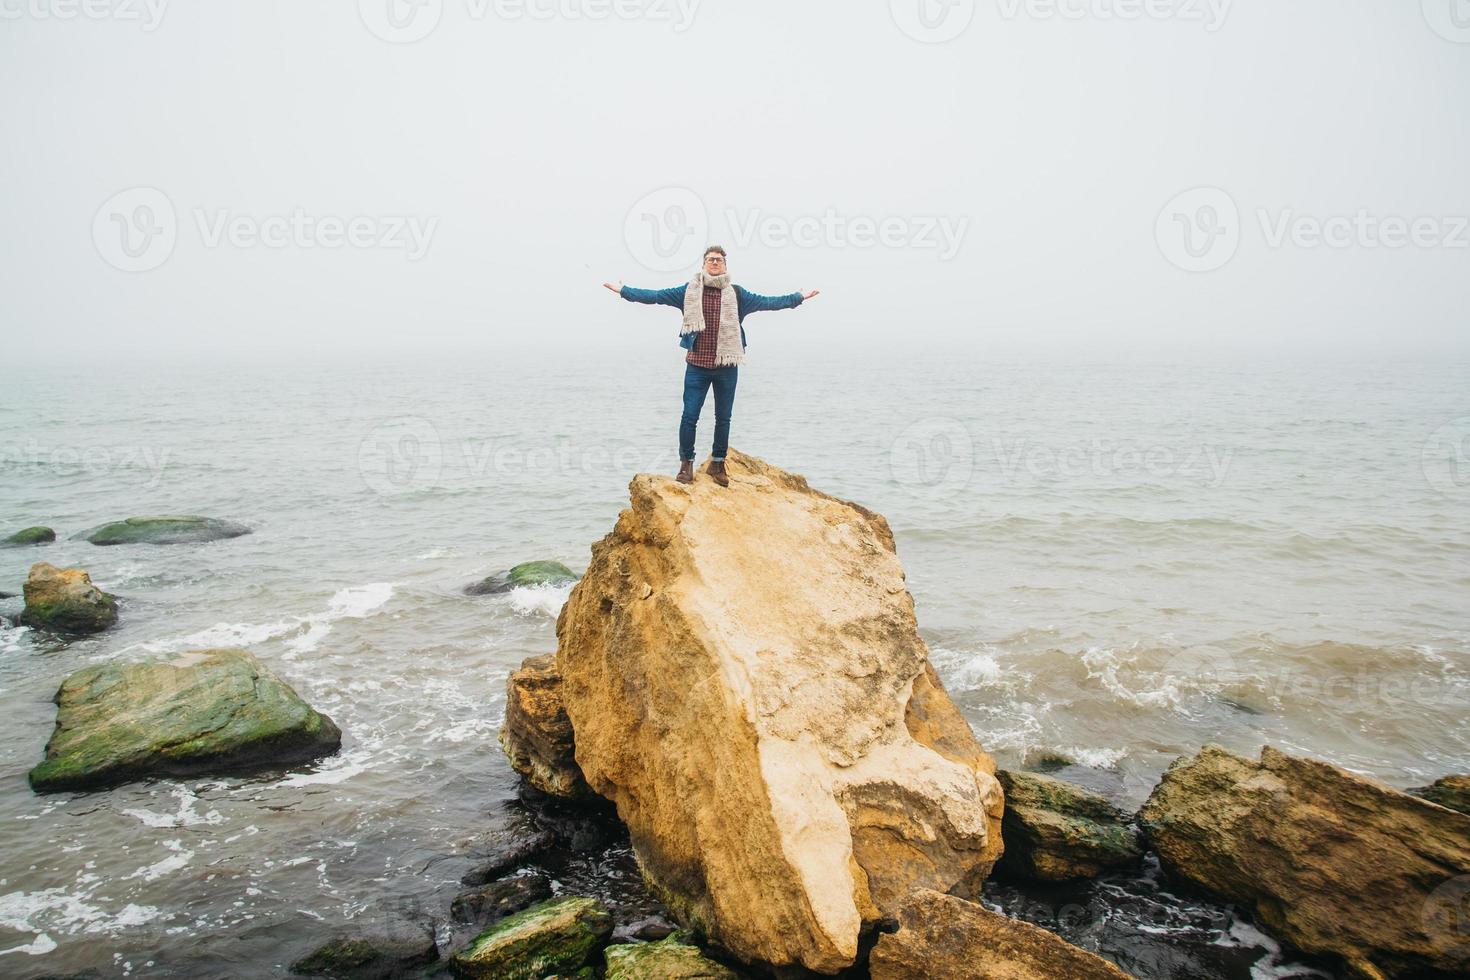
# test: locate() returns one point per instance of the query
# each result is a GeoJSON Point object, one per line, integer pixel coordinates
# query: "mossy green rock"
{"type": "Point", "coordinates": [1450, 791]}
{"type": "Point", "coordinates": [205, 711]}
{"type": "Point", "coordinates": [30, 535]}
{"type": "Point", "coordinates": [369, 957]}
{"type": "Point", "coordinates": [65, 600]}
{"type": "Point", "coordinates": [1055, 831]}
{"type": "Point", "coordinates": [164, 530]}
{"type": "Point", "coordinates": [522, 575]}
{"type": "Point", "coordinates": [667, 959]}
{"type": "Point", "coordinates": [559, 936]}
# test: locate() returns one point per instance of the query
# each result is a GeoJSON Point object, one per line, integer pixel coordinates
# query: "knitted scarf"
{"type": "Point", "coordinates": [728, 349]}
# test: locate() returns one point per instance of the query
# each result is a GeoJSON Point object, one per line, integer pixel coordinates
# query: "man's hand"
{"type": "Point", "coordinates": [617, 288]}
{"type": "Point", "coordinates": [807, 296]}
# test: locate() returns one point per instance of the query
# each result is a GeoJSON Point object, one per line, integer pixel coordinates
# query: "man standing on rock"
{"type": "Point", "coordinates": [714, 335]}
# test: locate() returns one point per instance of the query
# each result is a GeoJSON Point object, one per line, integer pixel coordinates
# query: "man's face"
{"type": "Point", "coordinates": [714, 264]}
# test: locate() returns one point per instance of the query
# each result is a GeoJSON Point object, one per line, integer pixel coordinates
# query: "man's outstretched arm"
{"type": "Point", "coordinates": [755, 302]}
{"type": "Point", "coordinates": [673, 296]}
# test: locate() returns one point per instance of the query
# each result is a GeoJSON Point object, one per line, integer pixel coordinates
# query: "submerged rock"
{"type": "Point", "coordinates": [501, 898]}
{"type": "Point", "coordinates": [559, 936]}
{"type": "Point", "coordinates": [29, 536]}
{"type": "Point", "coordinates": [522, 575]}
{"type": "Point", "coordinates": [1334, 863]}
{"type": "Point", "coordinates": [1450, 791]}
{"type": "Point", "coordinates": [508, 858]}
{"type": "Point", "coordinates": [667, 959]}
{"type": "Point", "coordinates": [205, 711]}
{"type": "Point", "coordinates": [783, 754]}
{"type": "Point", "coordinates": [370, 957]}
{"type": "Point", "coordinates": [64, 599]}
{"type": "Point", "coordinates": [943, 936]}
{"type": "Point", "coordinates": [164, 530]}
{"type": "Point", "coordinates": [1055, 831]}
{"type": "Point", "coordinates": [537, 734]}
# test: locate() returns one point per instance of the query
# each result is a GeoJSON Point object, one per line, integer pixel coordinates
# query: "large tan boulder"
{"type": "Point", "coordinates": [1334, 863]}
{"type": "Point", "coordinates": [745, 677]}
{"type": "Point", "coordinates": [943, 936]}
{"type": "Point", "coordinates": [536, 734]}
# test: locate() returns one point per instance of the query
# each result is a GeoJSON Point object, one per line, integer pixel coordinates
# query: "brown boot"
{"type": "Point", "coordinates": [686, 471]}
{"type": "Point", "coordinates": [716, 471]}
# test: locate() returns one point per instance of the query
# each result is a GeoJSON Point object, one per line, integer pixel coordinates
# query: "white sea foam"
{"type": "Point", "coordinates": [1097, 758]}
{"type": "Point", "coordinates": [179, 859]}
{"type": "Point", "coordinates": [56, 910]}
{"type": "Point", "coordinates": [184, 817]}
{"type": "Point", "coordinates": [543, 600]}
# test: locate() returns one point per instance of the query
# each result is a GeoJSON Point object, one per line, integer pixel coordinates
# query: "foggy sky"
{"type": "Point", "coordinates": [519, 139]}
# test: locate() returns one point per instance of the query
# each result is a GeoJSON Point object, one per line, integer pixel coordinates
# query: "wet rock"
{"type": "Point", "coordinates": [204, 711]}
{"type": "Point", "coordinates": [500, 898]}
{"type": "Point", "coordinates": [1055, 831]}
{"type": "Point", "coordinates": [1450, 791]}
{"type": "Point", "coordinates": [509, 857]}
{"type": "Point", "coordinates": [29, 536]}
{"type": "Point", "coordinates": [536, 734]}
{"type": "Point", "coordinates": [559, 936]}
{"type": "Point", "coordinates": [65, 600]}
{"type": "Point", "coordinates": [942, 936]}
{"type": "Point", "coordinates": [649, 929]}
{"type": "Point", "coordinates": [1336, 864]}
{"type": "Point", "coordinates": [667, 959]}
{"type": "Point", "coordinates": [164, 530]}
{"type": "Point", "coordinates": [522, 575]}
{"type": "Point", "coordinates": [370, 957]}
{"type": "Point", "coordinates": [785, 758]}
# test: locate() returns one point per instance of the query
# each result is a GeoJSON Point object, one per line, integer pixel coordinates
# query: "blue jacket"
{"type": "Point", "coordinates": [747, 302]}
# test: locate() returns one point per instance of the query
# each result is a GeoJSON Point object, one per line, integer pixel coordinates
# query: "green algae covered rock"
{"type": "Point", "coordinates": [164, 530]}
{"type": "Point", "coordinates": [1449, 791]}
{"type": "Point", "coordinates": [667, 959]}
{"type": "Point", "coordinates": [522, 575]}
{"type": "Point", "coordinates": [65, 600]}
{"type": "Point", "coordinates": [370, 957]}
{"type": "Point", "coordinates": [1055, 831]}
{"type": "Point", "coordinates": [560, 936]}
{"type": "Point", "coordinates": [204, 711]}
{"type": "Point", "coordinates": [30, 535]}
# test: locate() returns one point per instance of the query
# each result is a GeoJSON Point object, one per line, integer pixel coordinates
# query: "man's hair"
{"type": "Point", "coordinates": [712, 248]}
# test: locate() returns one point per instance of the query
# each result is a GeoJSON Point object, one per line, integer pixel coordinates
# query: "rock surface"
{"type": "Point", "coordinates": [559, 936]}
{"type": "Point", "coordinates": [525, 574]}
{"type": "Point", "coordinates": [746, 680]}
{"type": "Point", "coordinates": [370, 957]}
{"type": "Point", "coordinates": [1336, 864]}
{"type": "Point", "coordinates": [164, 530]}
{"type": "Point", "coordinates": [500, 898]}
{"type": "Point", "coordinates": [1055, 831]}
{"type": "Point", "coordinates": [29, 536]}
{"type": "Point", "coordinates": [205, 711]}
{"type": "Point", "coordinates": [943, 936]}
{"type": "Point", "coordinates": [1450, 791]}
{"type": "Point", "coordinates": [667, 959]}
{"type": "Point", "coordinates": [536, 734]}
{"type": "Point", "coordinates": [65, 599]}
{"type": "Point", "coordinates": [508, 857]}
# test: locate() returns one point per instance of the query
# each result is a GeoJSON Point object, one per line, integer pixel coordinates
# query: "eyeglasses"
{"type": "Point", "coordinates": [714, 258]}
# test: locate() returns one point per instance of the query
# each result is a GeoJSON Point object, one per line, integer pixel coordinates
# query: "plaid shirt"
{"type": "Point", "coordinates": [708, 341]}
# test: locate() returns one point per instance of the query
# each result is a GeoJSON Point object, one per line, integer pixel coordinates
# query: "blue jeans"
{"type": "Point", "coordinates": [697, 381]}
